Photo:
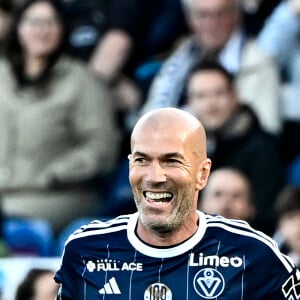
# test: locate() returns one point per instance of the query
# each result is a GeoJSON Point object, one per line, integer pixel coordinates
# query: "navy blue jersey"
{"type": "Point", "coordinates": [224, 260]}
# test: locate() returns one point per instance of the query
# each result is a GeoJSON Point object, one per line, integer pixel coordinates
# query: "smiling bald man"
{"type": "Point", "coordinates": [169, 250]}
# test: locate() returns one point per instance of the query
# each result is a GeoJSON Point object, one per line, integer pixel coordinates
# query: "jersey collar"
{"type": "Point", "coordinates": [165, 252]}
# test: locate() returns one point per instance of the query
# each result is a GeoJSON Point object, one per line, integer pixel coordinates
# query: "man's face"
{"type": "Point", "coordinates": [211, 98]}
{"type": "Point", "coordinates": [213, 21]}
{"type": "Point", "coordinates": [290, 227]}
{"type": "Point", "coordinates": [227, 194]}
{"type": "Point", "coordinates": [163, 171]}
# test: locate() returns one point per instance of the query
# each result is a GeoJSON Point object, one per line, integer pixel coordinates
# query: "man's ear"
{"type": "Point", "coordinates": [203, 174]}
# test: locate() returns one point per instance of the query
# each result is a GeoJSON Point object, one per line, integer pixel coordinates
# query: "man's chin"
{"type": "Point", "coordinates": [160, 226]}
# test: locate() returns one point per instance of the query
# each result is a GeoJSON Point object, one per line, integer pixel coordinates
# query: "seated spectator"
{"type": "Point", "coordinates": [106, 35]}
{"type": "Point", "coordinates": [38, 284]}
{"type": "Point", "coordinates": [282, 28]}
{"type": "Point", "coordinates": [114, 37]}
{"type": "Point", "coordinates": [235, 137]}
{"type": "Point", "coordinates": [58, 135]}
{"type": "Point", "coordinates": [287, 209]}
{"type": "Point", "coordinates": [228, 193]}
{"type": "Point", "coordinates": [217, 33]}
{"type": "Point", "coordinates": [6, 16]}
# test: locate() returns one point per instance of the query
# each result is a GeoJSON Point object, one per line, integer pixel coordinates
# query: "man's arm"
{"type": "Point", "coordinates": [111, 54]}
{"type": "Point", "coordinates": [280, 32]}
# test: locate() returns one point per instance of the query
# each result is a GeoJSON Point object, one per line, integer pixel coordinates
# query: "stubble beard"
{"type": "Point", "coordinates": [171, 223]}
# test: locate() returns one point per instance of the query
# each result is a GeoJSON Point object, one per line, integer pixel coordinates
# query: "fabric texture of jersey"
{"type": "Point", "coordinates": [224, 260]}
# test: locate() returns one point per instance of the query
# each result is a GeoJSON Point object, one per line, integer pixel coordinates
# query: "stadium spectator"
{"type": "Point", "coordinates": [228, 193]}
{"type": "Point", "coordinates": [287, 208]}
{"type": "Point", "coordinates": [58, 135]}
{"type": "Point", "coordinates": [235, 137]}
{"type": "Point", "coordinates": [282, 28]}
{"type": "Point", "coordinates": [116, 37]}
{"type": "Point", "coordinates": [38, 284]}
{"type": "Point", "coordinates": [217, 33]}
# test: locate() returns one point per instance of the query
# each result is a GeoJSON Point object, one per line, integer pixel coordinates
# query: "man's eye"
{"type": "Point", "coordinates": [140, 160]}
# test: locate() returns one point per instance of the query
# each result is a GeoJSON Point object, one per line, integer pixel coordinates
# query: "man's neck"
{"type": "Point", "coordinates": [167, 239]}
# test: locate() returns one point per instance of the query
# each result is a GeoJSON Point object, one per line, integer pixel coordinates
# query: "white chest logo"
{"type": "Point", "coordinates": [209, 283]}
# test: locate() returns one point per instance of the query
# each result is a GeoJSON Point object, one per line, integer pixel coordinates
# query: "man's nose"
{"type": "Point", "coordinates": [156, 173]}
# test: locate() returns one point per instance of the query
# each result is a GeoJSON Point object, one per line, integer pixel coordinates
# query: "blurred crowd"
{"type": "Point", "coordinates": [76, 74]}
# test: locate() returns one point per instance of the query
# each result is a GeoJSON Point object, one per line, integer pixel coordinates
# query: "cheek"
{"type": "Point", "coordinates": [57, 35]}
{"type": "Point", "coordinates": [240, 205]}
{"type": "Point", "coordinates": [197, 105]}
{"type": "Point", "coordinates": [24, 35]}
{"type": "Point", "coordinates": [135, 175]}
{"type": "Point", "coordinates": [289, 230]}
{"type": "Point", "coordinates": [225, 110]}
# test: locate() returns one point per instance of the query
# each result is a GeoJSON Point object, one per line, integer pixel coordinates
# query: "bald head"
{"type": "Point", "coordinates": [170, 121]}
{"type": "Point", "coordinates": [167, 169]}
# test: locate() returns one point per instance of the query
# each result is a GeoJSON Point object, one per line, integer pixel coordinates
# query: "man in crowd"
{"type": "Point", "coordinates": [235, 137]}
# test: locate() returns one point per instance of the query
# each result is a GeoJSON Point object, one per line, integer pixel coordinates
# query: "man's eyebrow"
{"type": "Point", "coordinates": [138, 153]}
{"type": "Point", "coordinates": [173, 155]}
{"type": "Point", "coordinates": [166, 155]}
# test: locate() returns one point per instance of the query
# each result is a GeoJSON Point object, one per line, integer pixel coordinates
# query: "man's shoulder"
{"type": "Point", "coordinates": [186, 48]}
{"type": "Point", "coordinates": [253, 55]}
{"type": "Point", "coordinates": [99, 228]}
{"type": "Point", "coordinates": [239, 233]}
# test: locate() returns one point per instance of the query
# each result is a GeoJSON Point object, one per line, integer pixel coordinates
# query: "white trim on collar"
{"type": "Point", "coordinates": [165, 252]}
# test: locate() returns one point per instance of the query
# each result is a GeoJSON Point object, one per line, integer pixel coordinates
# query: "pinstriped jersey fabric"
{"type": "Point", "coordinates": [224, 260]}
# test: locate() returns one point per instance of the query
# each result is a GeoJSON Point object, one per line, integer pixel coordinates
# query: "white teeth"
{"type": "Point", "coordinates": [158, 196]}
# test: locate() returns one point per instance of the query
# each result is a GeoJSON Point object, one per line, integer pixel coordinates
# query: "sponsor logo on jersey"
{"type": "Point", "coordinates": [209, 283]}
{"type": "Point", "coordinates": [110, 288]}
{"type": "Point", "coordinates": [291, 287]}
{"type": "Point", "coordinates": [158, 291]}
{"type": "Point", "coordinates": [112, 265]}
{"type": "Point", "coordinates": [214, 261]}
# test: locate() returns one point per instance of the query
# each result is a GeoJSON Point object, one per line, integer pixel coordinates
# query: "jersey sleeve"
{"type": "Point", "coordinates": [67, 276]}
{"type": "Point", "coordinates": [289, 289]}
{"type": "Point", "coordinates": [279, 277]}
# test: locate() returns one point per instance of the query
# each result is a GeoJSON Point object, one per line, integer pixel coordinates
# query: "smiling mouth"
{"type": "Point", "coordinates": [158, 198]}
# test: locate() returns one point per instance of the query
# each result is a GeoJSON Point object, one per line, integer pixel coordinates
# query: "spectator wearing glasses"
{"type": "Point", "coordinates": [58, 135]}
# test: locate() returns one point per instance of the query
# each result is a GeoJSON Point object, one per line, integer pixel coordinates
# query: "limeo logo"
{"type": "Point", "coordinates": [214, 260]}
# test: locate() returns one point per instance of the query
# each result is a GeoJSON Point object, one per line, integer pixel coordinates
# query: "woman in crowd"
{"type": "Point", "coordinates": [56, 123]}
{"type": "Point", "coordinates": [38, 284]}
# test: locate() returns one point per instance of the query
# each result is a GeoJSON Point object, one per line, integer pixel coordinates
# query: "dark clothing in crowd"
{"type": "Point", "coordinates": [242, 143]}
{"type": "Point", "coordinates": [88, 21]}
